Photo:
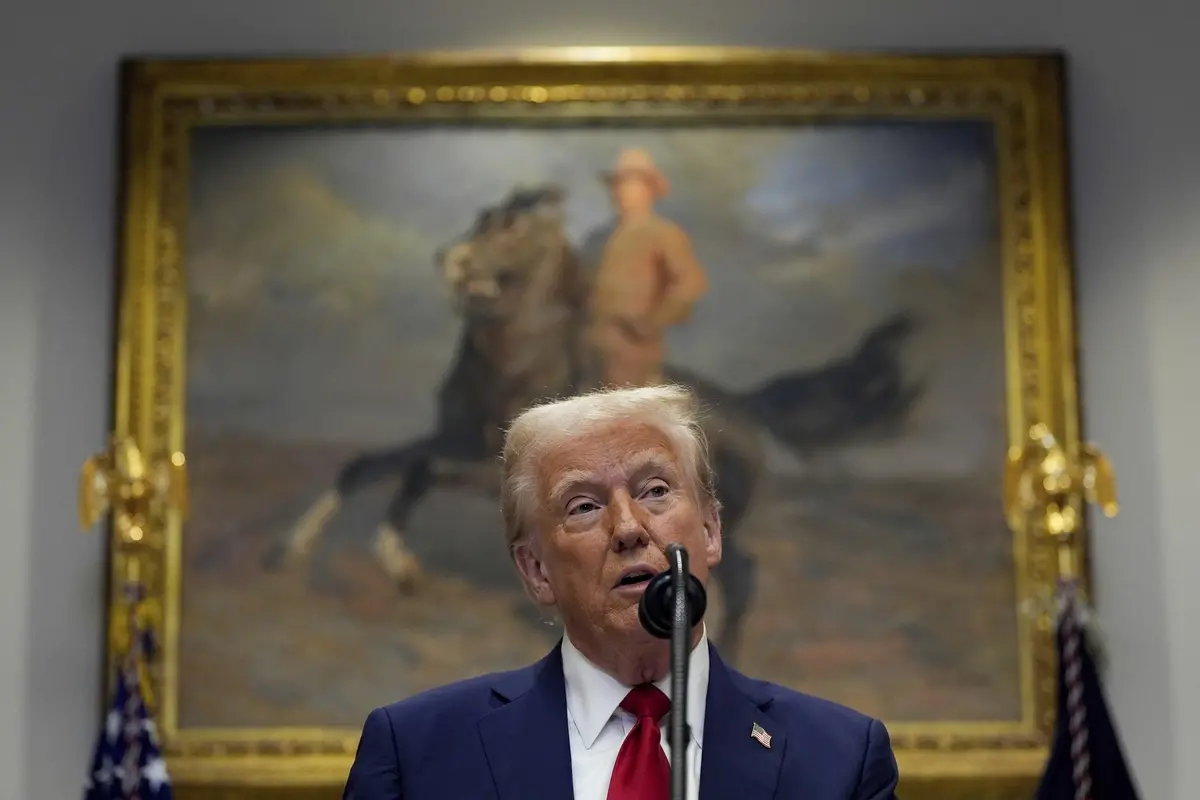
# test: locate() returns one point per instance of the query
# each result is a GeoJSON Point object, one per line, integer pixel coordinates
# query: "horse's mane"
{"type": "Point", "coordinates": [519, 201]}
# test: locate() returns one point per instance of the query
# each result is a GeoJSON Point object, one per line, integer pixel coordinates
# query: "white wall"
{"type": "Point", "coordinates": [1137, 198]}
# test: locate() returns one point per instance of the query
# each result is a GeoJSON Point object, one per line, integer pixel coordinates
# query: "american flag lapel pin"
{"type": "Point", "coordinates": [761, 736]}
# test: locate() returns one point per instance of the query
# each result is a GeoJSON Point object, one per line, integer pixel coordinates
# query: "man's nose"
{"type": "Point", "coordinates": [629, 529]}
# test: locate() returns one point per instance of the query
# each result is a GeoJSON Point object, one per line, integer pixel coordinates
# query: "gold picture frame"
{"type": "Point", "coordinates": [166, 100]}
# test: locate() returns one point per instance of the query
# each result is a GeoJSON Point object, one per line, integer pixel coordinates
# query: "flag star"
{"type": "Point", "coordinates": [155, 773]}
{"type": "Point", "coordinates": [112, 725]}
{"type": "Point", "coordinates": [104, 774]}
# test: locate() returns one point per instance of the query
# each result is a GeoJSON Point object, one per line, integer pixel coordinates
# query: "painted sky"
{"type": "Point", "coordinates": [317, 313]}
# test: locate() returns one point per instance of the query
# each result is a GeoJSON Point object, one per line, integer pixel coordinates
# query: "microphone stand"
{"type": "Point", "coordinates": [681, 630]}
{"type": "Point", "coordinates": [673, 603]}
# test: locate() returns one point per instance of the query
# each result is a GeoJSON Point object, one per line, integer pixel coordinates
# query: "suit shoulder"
{"type": "Point", "coordinates": [853, 749]}
{"type": "Point", "coordinates": [407, 746]}
{"type": "Point", "coordinates": [838, 728]}
{"type": "Point", "coordinates": [471, 695]}
{"type": "Point", "coordinates": [810, 706]}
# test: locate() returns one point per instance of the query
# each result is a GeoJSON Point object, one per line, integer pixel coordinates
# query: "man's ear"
{"type": "Point", "coordinates": [533, 572]}
{"type": "Point", "coordinates": [712, 533]}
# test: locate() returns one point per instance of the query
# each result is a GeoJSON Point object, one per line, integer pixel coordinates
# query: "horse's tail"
{"type": "Point", "coordinates": [866, 392]}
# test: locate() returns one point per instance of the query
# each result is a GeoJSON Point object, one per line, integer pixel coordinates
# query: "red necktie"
{"type": "Point", "coordinates": [642, 771]}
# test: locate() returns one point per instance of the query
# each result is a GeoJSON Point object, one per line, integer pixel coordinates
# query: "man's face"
{"type": "Point", "coordinates": [611, 500]}
{"type": "Point", "coordinates": [632, 194]}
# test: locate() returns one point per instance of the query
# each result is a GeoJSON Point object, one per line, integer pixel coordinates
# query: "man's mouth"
{"type": "Point", "coordinates": [633, 578]}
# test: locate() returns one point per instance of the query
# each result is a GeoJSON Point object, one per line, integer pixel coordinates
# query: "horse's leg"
{"type": "Point", "coordinates": [356, 475]}
{"type": "Point", "coordinates": [319, 557]}
{"type": "Point", "coordinates": [738, 570]}
{"type": "Point", "coordinates": [400, 564]}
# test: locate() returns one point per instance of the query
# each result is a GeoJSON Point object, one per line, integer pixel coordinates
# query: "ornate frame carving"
{"type": "Point", "coordinates": [167, 99]}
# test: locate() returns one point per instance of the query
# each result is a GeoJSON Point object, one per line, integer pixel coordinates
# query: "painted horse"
{"type": "Point", "coordinates": [521, 290]}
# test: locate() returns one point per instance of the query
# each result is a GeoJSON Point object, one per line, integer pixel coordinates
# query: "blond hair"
{"type": "Point", "coordinates": [672, 409]}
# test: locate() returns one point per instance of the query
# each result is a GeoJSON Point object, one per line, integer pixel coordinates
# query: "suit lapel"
{"type": "Point", "coordinates": [526, 739]}
{"type": "Point", "coordinates": [734, 763]}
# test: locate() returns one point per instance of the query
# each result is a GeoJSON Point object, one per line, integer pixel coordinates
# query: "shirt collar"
{"type": "Point", "coordinates": [593, 696]}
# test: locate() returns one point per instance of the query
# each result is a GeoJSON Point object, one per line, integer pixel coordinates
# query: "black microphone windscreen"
{"type": "Point", "coordinates": [656, 610]}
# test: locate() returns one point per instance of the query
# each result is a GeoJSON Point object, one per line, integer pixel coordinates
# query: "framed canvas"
{"type": "Point", "coordinates": [340, 277]}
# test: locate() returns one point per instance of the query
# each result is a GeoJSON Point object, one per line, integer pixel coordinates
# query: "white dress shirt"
{"type": "Point", "coordinates": [597, 725]}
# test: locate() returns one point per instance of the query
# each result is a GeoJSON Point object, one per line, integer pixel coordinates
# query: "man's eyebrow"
{"type": "Point", "coordinates": [652, 461]}
{"type": "Point", "coordinates": [642, 462]}
{"type": "Point", "coordinates": [572, 477]}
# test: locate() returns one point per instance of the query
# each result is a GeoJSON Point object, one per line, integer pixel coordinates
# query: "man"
{"type": "Point", "coordinates": [595, 488]}
{"type": "Point", "coordinates": [647, 281]}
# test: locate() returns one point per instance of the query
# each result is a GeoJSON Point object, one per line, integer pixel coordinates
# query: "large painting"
{"type": "Point", "coordinates": [362, 270]}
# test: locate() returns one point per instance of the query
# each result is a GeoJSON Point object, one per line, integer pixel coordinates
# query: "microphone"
{"type": "Point", "coordinates": [656, 611]}
{"type": "Point", "coordinates": [672, 604]}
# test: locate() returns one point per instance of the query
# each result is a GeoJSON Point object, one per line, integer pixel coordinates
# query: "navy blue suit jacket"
{"type": "Point", "coordinates": [504, 737]}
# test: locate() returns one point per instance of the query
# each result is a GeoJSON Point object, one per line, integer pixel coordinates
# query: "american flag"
{"type": "Point", "coordinates": [1086, 760]}
{"type": "Point", "coordinates": [127, 763]}
{"type": "Point", "coordinates": [761, 736]}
